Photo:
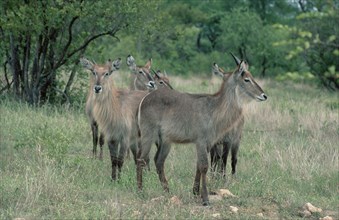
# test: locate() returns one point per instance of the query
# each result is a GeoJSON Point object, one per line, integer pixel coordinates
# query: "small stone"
{"type": "Point", "coordinates": [305, 213]}
{"type": "Point", "coordinates": [225, 193]}
{"type": "Point", "coordinates": [175, 200]}
{"type": "Point", "coordinates": [326, 218]}
{"type": "Point", "coordinates": [234, 209]}
{"type": "Point", "coordinates": [308, 206]}
{"type": "Point", "coordinates": [260, 214]}
{"type": "Point", "coordinates": [136, 213]}
{"type": "Point", "coordinates": [216, 215]}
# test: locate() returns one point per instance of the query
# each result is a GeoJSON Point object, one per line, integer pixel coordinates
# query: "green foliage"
{"type": "Point", "coordinates": [283, 39]}
{"type": "Point", "coordinates": [315, 40]}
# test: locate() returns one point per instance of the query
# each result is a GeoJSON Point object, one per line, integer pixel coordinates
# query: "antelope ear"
{"type": "Point", "coordinates": [216, 70]}
{"type": "Point", "coordinates": [86, 63]}
{"type": "Point", "coordinates": [242, 67]}
{"type": "Point", "coordinates": [116, 64]}
{"type": "Point", "coordinates": [131, 62]}
{"type": "Point", "coordinates": [148, 65]}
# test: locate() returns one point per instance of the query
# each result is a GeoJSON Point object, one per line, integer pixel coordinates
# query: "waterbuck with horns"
{"type": "Point", "coordinates": [142, 79]}
{"type": "Point", "coordinates": [204, 119]}
{"type": "Point", "coordinates": [114, 110]}
{"type": "Point", "coordinates": [140, 73]}
{"type": "Point", "coordinates": [141, 76]}
{"type": "Point", "coordinates": [89, 106]}
{"type": "Point", "coordinates": [219, 152]}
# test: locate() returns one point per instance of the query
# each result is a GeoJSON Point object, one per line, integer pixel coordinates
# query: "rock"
{"type": "Point", "coordinates": [305, 213]}
{"type": "Point", "coordinates": [216, 215]}
{"type": "Point", "coordinates": [225, 193]}
{"type": "Point", "coordinates": [234, 209]}
{"type": "Point", "coordinates": [260, 215]}
{"type": "Point", "coordinates": [326, 218]}
{"type": "Point", "coordinates": [136, 213]}
{"type": "Point", "coordinates": [308, 206]}
{"type": "Point", "coordinates": [175, 200]}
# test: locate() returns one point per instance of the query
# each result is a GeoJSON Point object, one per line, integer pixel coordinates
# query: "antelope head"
{"type": "Point", "coordinates": [247, 88]}
{"type": "Point", "coordinates": [161, 79]}
{"type": "Point", "coordinates": [142, 72]}
{"type": "Point", "coordinates": [101, 73]}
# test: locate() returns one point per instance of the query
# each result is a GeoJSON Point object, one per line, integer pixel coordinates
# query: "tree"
{"type": "Point", "coordinates": [314, 38]}
{"type": "Point", "coordinates": [42, 37]}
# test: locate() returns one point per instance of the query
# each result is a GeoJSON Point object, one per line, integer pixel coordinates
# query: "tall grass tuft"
{"type": "Point", "coordinates": [288, 156]}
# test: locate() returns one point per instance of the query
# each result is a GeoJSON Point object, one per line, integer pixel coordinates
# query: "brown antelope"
{"type": "Point", "coordinates": [89, 112]}
{"type": "Point", "coordinates": [174, 117]}
{"type": "Point", "coordinates": [219, 152]}
{"type": "Point", "coordinates": [140, 78]}
{"type": "Point", "coordinates": [142, 74]}
{"type": "Point", "coordinates": [114, 110]}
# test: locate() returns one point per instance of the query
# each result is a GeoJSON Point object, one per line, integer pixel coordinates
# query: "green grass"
{"type": "Point", "coordinates": [288, 157]}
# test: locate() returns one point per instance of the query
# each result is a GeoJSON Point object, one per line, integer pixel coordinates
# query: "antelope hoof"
{"type": "Point", "coordinates": [206, 203]}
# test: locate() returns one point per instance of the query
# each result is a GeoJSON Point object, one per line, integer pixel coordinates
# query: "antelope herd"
{"type": "Point", "coordinates": [152, 112]}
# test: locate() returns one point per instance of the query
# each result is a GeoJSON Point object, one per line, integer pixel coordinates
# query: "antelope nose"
{"type": "Point", "coordinates": [264, 97]}
{"type": "Point", "coordinates": [97, 89]}
{"type": "Point", "coordinates": [151, 85]}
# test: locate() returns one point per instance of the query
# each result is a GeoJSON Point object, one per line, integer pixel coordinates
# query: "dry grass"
{"type": "Point", "coordinates": [288, 156]}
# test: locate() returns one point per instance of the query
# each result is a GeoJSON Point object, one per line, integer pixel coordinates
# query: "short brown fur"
{"type": "Point", "coordinates": [203, 119]}
{"type": "Point", "coordinates": [114, 110]}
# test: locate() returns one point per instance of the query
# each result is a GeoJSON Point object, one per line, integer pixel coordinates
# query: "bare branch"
{"type": "Point", "coordinates": [70, 38]}
{"type": "Point", "coordinates": [85, 44]}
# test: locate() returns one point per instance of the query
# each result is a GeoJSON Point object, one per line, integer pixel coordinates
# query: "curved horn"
{"type": "Point", "coordinates": [236, 59]}
{"type": "Point", "coordinates": [156, 73]}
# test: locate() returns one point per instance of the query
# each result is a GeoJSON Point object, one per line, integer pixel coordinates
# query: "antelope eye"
{"type": "Point", "coordinates": [94, 73]}
{"type": "Point", "coordinates": [247, 80]}
{"type": "Point", "coordinates": [161, 82]}
{"type": "Point", "coordinates": [106, 74]}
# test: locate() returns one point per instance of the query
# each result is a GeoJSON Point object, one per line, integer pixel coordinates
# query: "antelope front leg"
{"type": "Point", "coordinates": [101, 142]}
{"type": "Point", "coordinates": [160, 158]}
{"type": "Point", "coordinates": [234, 152]}
{"type": "Point", "coordinates": [196, 185]}
{"type": "Point", "coordinates": [124, 145]}
{"type": "Point", "coordinates": [226, 149]}
{"type": "Point", "coordinates": [203, 168]}
{"type": "Point", "coordinates": [94, 127]}
{"type": "Point", "coordinates": [144, 147]}
{"type": "Point", "coordinates": [113, 149]}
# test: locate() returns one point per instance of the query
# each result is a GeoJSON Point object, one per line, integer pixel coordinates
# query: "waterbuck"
{"type": "Point", "coordinates": [142, 74]}
{"type": "Point", "coordinates": [174, 117]}
{"type": "Point", "coordinates": [139, 73]}
{"type": "Point", "coordinates": [219, 152]}
{"type": "Point", "coordinates": [114, 110]}
{"type": "Point", "coordinates": [89, 107]}
{"type": "Point", "coordinates": [139, 81]}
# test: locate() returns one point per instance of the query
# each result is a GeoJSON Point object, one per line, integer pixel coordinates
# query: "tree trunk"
{"type": "Point", "coordinates": [15, 65]}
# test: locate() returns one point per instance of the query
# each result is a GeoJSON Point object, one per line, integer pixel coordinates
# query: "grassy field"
{"type": "Point", "coordinates": [288, 157]}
